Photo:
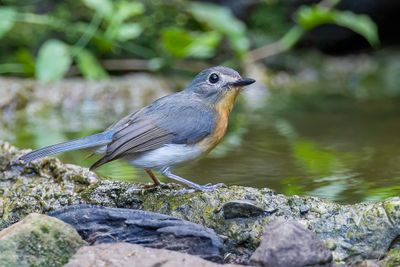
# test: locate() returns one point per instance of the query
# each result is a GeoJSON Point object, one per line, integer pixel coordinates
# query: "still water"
{"type": "Point", "coordinates": [346, 152]}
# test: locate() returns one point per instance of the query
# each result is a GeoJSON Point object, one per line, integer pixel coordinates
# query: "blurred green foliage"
{"type": "Point", "coordinates": [44, 38]}
{"type": "Point", "coordinates": [309, 17]}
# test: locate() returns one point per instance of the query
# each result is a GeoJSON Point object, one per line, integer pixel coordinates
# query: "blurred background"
{"type": "Point", "coordinates": [323, 118]}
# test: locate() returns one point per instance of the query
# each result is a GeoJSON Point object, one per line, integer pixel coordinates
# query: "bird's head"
{"type": "Point", "coordinates": [216, 83]}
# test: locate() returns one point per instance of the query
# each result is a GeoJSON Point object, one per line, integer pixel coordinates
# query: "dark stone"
{"type": "Point", "coordinates": [241, 209]}
{"type": "Point", "coordinates": [99, 225]}
{"type": "Point", "coordinates": [303, 209]}
{"type": "Point", "coordinates": [288, 243]}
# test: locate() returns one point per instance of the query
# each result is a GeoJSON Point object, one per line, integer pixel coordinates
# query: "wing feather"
{"type": "Point", "coordinates": [178, 119]}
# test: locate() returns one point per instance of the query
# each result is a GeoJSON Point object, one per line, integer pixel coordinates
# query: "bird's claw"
{"type": "Point", "coordinates": [210, 187]}
{"type": "Point", "coordinates": [151, 186]}
{"type": "Point", "coordinates": [201, 188]}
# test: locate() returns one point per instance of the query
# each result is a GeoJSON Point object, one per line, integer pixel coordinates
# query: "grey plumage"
{"type": "Point", "coordinates": [179, 118]}
{"type": "Point", "coordinates": [171, 119]}
{"type": "Point", "coordinates": [85, 142]}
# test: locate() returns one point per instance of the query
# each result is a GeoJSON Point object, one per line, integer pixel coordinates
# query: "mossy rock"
{"type": "Point", "coordinates": [38, 240]}
{"type": "Point", "coordinates": [392, 258]}
{"type": "Point", "coordinates": [352, 232]}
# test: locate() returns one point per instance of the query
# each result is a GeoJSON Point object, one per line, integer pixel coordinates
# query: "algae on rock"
{"type": "Point", "coordinates": [38, 240]}
{"type": "Point", "coordinates": [39, 187]}
{"type": "Point", "coordinates": [392, 258]}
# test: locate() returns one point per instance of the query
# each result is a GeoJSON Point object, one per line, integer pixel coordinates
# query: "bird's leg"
{"type": "Point", "coordinates": [167, 172]}
{"type": "Point", "coordinates": [156, 182]}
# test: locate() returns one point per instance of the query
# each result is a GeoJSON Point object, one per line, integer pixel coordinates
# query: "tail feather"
{"type": "Point", "coordinates": [85, 142]}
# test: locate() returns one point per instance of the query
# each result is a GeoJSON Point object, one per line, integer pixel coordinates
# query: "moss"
{"type": "Point", "coordinates": [392, 208]}
{"type": "Point", "coordinates": [392, 259]}
{"type": "Point", "coordinates": [38, 240]}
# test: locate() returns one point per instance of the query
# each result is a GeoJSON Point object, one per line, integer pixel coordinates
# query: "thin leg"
{"type": "Point", "coordinates": [167, 172]}
{"type": "Point", "coordinates": [153, 177]}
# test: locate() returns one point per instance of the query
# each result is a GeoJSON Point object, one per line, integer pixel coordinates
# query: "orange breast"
{"type": "Point", "coordinates": [222, 108]}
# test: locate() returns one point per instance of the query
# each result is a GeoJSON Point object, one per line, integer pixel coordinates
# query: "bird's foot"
{"type": "Point", "coordinates": [151, 186]}
{"type": "Point", "coordinates": [210, 187]}
{"type": "Point", "coordinates": [201, 188]}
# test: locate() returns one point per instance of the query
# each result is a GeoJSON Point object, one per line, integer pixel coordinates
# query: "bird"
{"type": "Point", "coordinates": [169, 132]}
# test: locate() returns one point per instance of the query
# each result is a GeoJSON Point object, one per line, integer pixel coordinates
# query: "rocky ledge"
{"type": "Point", "coordinates": [238, 215]}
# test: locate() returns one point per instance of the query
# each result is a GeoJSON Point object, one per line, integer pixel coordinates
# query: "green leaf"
{"type": "Point", "coordinates": [7, 16]}
{"type": "Point", "coordinates": [125, 10]}
{"type": "Point", "coordinates": [361, 24]}
{"type": "Point", "coordinates": [204, 45]}
{"type": "Point", "coordinates": [176, 41]}
{"type": "Point", "coordinates": [103, 7]}
{"type": "Point", "coordinates": [222, 20]}
{"type": "Point", "coordinates": [181, 43]}
{"type": "Point", "coordinates": [310, 17]}
{"type": "Point", "coordinates": [27, 60]}
{"type": "Point", "coordinates": [53, 61]}
{"type": "Point", "coordinates": [88, 65]}
{"type": "Point", "coordinates": [128, 31]}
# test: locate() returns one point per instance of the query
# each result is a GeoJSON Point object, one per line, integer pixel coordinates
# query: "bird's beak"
{"type": "Point", "coordinates": [243, 82]}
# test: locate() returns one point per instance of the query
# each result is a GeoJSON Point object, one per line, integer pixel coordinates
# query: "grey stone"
{"type": "Point", "coordinates": [367, 263]}
{"type": "Point", "coordinates": [241, 209]}
{"type": "Point", "coordinates": [38, 240]}
{"type": "Point", "coordinates": [128, 255]}
{"type": "Point", "coordinates": [109, 225]}
{"type": "Point", "coordinates": [289, 244]}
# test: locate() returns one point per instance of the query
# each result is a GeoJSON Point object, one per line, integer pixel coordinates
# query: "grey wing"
{"type": "Point", "coordinates": [166, 121]}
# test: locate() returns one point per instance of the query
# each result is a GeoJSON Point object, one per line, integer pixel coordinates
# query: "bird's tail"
{"type": "Point", "coordinates": [85, 142]}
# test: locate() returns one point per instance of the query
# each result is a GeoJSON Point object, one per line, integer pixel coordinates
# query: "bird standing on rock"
{"type": "Point", "coordinates": [169, 132]}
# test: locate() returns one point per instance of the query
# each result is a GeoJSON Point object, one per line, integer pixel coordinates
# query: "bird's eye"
{"type": "Point", "coordinates": [214, 78]}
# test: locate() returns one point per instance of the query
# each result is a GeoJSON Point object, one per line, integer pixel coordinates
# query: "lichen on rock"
{"type": "Point", "coordinates": [38, 240]}
{"type": "Point", "coordinates": [38, 187]}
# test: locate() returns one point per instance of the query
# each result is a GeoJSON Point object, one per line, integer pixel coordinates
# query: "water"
{"type": "Point", "coordinates": [342, 150]}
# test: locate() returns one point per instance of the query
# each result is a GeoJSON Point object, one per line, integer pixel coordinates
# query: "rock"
{"type": "Point", "coordinates": [353, 232]}
{"type": "Point", "coordinates": [289, 244]}
{"type": "Point", "coordinates": [109, 225]}
{"type": "Point", "coordinates": [75, 97]}
{"type": "Point", "coordinates": [303, 209]}
{"type": "Point", "coordinates": [367, 263]}
{"type": "Point", "coordinates": [40, 187]}
{"type": "Point", "coordinates": [127, 255]}
{"type": "Point", "coordinates": [241, 209]}
{"type": "Point", "coordinates": [38, 240]}
{"type": "Point", "coordinates": [392, 258]}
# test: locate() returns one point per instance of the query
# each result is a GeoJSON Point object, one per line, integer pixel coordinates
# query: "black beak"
{"type": "Point", "coordinates": [243, 82]}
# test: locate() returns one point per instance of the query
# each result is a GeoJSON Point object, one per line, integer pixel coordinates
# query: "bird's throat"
{"type": "Point", "coordinates": [222, 108]}
{"type": "Point", "coordinates": [225, 104]}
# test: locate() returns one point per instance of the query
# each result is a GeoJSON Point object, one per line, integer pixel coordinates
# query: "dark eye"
{"type": "Point", "coordinates": [214, 78]}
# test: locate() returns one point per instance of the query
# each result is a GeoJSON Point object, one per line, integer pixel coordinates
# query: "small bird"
{"type": "Point", "coordinates": [169, 132]}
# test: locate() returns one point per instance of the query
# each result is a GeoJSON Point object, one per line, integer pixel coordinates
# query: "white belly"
{"type": "Point", "coordinates": [167, 156]}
